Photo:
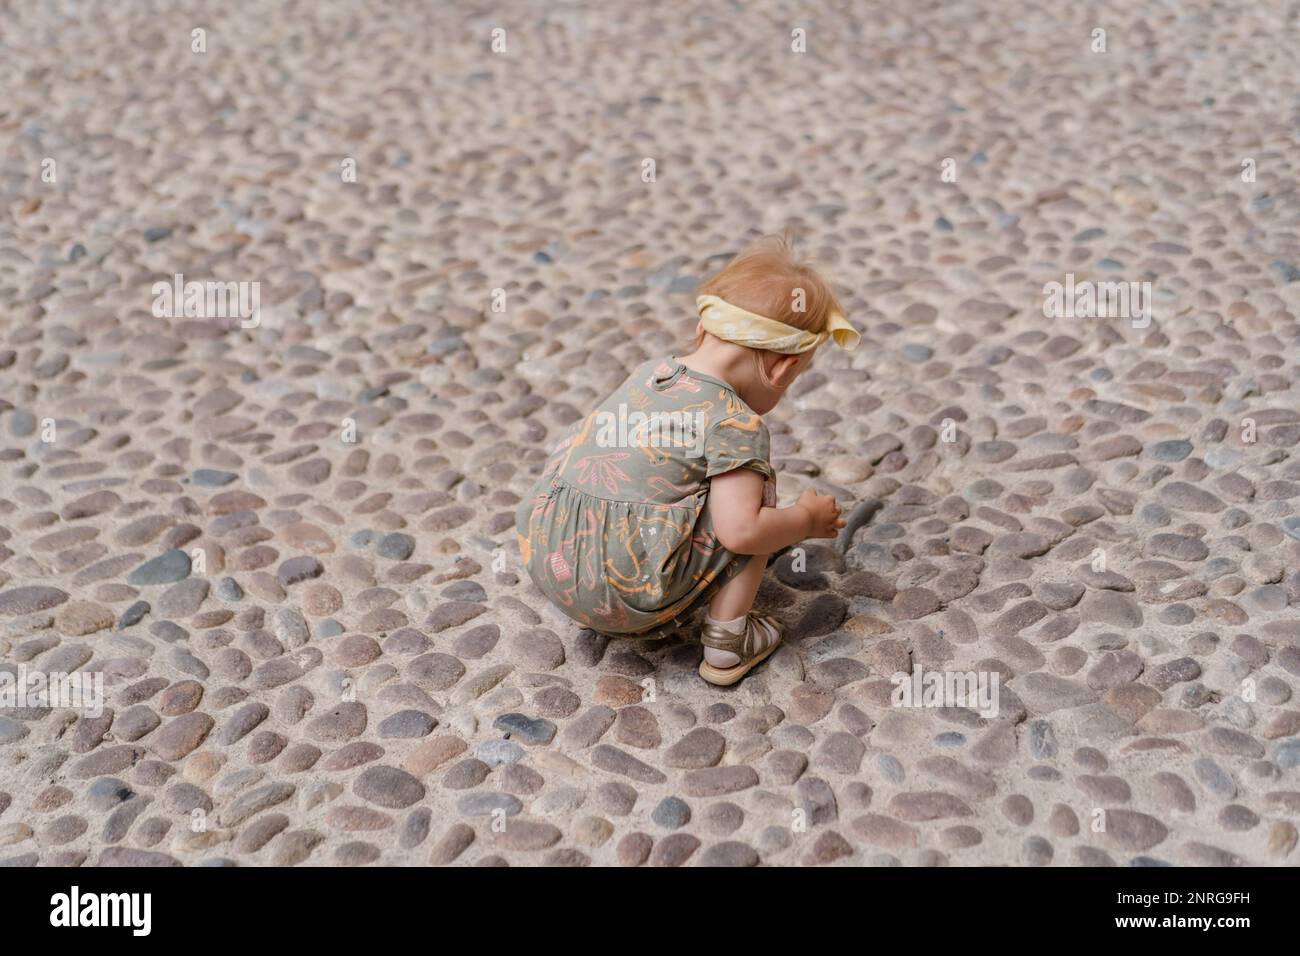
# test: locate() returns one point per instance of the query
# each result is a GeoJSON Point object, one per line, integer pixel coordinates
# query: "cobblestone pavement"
{"type": "Point", "coordinates": [288, 547]}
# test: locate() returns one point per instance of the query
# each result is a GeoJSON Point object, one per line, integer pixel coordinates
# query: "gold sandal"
{"type": "Point", "coordinates": [742, 645]}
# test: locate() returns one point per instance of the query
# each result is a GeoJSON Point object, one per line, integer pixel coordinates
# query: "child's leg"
{"type": "Point", "coordinates": [731, 604]}
{"type": "Point", "coordinates": [736, 597]}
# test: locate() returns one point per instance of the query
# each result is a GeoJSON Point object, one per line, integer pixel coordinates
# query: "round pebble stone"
{"type": "Point", "coordinates": [356, 853]}
{"type": "Point", "coordinates": [615, 798]}
{"type": "Point", "coordinates": [634, 849]}
{"type": "Point", "coordinates": [593, 832]}
{"type": "Point", "coordinates": [722, 818]}
{"type": "Point", "coordinates": [671, 813]}
{"type": "Point", "coordinates": [388, 787]}
{"type": "Point", "coordinates": [407, 724]}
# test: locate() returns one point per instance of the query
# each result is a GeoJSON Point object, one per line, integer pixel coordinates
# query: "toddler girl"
{"type": "Point", "coordinates": [663, 500]}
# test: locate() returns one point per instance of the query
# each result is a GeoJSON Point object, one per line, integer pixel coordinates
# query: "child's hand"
{"type": "Point", "coordinates": [824, 514]}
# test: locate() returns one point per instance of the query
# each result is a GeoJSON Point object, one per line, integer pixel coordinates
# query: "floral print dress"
{"type": "Point", "coordinates": [616, 533]}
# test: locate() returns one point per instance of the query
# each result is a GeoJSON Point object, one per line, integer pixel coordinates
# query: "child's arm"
{"type": "Point", "coordinates": [743, 526]}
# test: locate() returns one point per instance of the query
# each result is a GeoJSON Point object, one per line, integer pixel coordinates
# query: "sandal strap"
{"type": "Point", "coordinates": [774, 627]}
{"type": "Point", "coordinates": [719, 638]}
{"type": "Point", "coordinates": [745, 644]}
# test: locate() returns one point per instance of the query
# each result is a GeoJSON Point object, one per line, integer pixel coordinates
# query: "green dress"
{"type": "Point", "coordinates": [615, 533]}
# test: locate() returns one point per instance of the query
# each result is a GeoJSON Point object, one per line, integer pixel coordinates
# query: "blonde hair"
{"type": "Point", "coordinates": [765, 278]}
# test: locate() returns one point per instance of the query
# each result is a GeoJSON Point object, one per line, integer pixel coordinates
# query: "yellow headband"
{"type": "Point", "coordinates": [734, 324]}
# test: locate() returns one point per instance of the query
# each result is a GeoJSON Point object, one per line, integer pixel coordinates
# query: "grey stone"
{"type": "Point", "coordinates": [168, 567]}
{"type": "Point", "coordinates": [494, 753]}
{"type": "Point", "coordinates": [396, 546]}
{"type": "Point", "coordinates": [671, 813]}
{"type": "Point", "coordinates": [531, 730]}
{"type": "Point", "coordinates": [388, 787]}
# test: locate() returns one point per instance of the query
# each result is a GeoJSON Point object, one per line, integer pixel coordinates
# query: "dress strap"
{"type": "Point", "coordinates": [666, 374]}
